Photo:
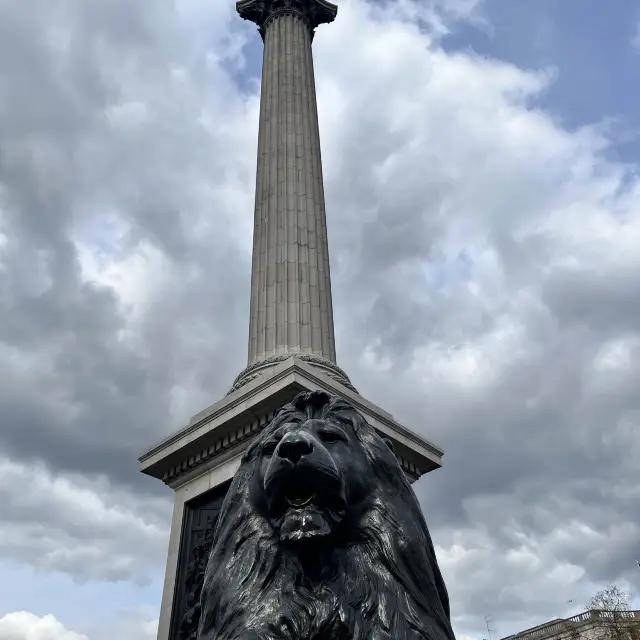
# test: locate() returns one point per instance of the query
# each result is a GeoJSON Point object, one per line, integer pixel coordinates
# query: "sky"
{"type": "Point", "coordinates": [481, 162]}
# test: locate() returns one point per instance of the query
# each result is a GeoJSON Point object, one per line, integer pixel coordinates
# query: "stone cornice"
{"type": "Point", "coordinates": [227, 426]}
{"type": "Point", "coordinates": [243, 436]}
{"type": "Point", "coordinates": [263, 12]}
{"type": "Point", "coordinates": [240, 435]}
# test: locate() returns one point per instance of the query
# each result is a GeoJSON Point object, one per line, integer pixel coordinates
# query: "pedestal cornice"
{"type": "Point", "coordinates": [262, 12]}
{"type": "Point", "coordinates": [223, 431]}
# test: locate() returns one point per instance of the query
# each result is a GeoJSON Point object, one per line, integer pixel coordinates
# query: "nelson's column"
{"type": "Point", "coordinates": [291, 336]}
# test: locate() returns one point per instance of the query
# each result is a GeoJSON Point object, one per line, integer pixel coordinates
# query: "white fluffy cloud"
{"type": "Point", "coordinates": [22, 625]}
{"type": "Point", "coordinates": [485, 271]}
{"type": "Point", "coordinates": [136, 624]}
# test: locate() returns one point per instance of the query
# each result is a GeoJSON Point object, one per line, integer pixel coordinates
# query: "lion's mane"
{"type": "Point", "coordinates": [386, 586]}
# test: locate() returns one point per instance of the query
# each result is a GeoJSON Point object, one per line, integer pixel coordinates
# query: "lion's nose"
{"type": "Point", "coordinates": [294, 447]}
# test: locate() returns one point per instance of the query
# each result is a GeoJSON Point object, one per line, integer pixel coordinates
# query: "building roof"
{"type": "Point", "coordinates": [559, 625]}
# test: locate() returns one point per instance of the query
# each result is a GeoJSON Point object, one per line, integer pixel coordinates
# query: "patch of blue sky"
{"type": "Point", "coordinates": [245, 65]}
{"type": "Point", "coordinates": [590, 45]}
{"type": "Point", "coordinates": [24, 588]}
{"type": "Point", "coordinates": [105, 236]}
{"type": "Point", "coordinates": [441, 274]}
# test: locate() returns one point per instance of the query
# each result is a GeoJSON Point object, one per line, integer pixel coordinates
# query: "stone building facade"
{"type": "Point", "coordinates": [590, 625]}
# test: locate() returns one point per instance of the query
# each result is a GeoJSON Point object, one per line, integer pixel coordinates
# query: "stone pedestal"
{"type": "Point", "coordinates": [199, 460]}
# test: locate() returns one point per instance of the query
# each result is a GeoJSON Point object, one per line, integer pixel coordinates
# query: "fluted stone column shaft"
{"type": "Point", "coordinates": [291, 307]}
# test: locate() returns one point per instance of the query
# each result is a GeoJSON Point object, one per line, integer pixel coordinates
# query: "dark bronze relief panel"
{"type": "Point", "coordinates": [200, 517]}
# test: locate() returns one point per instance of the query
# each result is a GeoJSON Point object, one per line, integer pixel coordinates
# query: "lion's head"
{"type": "Point", "coordinates": [321, 537]}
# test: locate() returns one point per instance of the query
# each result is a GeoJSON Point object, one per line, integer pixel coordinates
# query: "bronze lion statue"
{"type": "Point", "coordinates": [321, 537]}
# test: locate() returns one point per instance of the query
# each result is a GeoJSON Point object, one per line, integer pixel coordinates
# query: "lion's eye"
{"type": "Point", "coordinates": [330, 437]}
{"type": "Point", "coordinates": [269, 447]}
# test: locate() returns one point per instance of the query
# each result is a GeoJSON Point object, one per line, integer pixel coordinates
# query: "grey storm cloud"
{"type": "Point", "coordinates": [485, 284]}
{"type": "Point", "coordinates": [93, 122]}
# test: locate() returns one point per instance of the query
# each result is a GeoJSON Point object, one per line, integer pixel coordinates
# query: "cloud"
{"type": "Point", "coordinates": [22, 625]}
{"type": "Point", "coordinates": [119, 190]}
{"type": "Point", "coordinates": [138, 624]}
{"type": "Point", "coordinates": [485, 284]}
{"type": "Point", "coordinates": [135, 624]}
{"type": "Point", "coordinates": [81, 526]}
{"type": "Point", "coordinates": [84, 527]}
{"type": "Point", "coordinates": [486, 264]}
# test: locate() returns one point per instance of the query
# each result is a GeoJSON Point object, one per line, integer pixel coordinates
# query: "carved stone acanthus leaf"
{"type": "Point", "coordinates": [262, 12]}
{"type": "Point", "coordinates": [328, 368]}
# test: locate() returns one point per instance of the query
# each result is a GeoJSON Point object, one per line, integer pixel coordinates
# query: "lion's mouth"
{"type": "Point", "coordinates": [299, 496]}
{"type": "Point", "coordinates": [304, 500]}
{"type": "Point", "coordinates": [299, 502]}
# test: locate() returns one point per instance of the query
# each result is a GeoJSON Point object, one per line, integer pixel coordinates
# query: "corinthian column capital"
{"type": "Point", "coordinates": [262, 12]}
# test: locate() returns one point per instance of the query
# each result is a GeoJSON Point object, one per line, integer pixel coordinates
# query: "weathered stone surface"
{"type": "Point", "coordinates": [291, 306]}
